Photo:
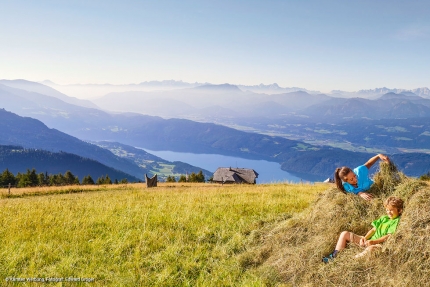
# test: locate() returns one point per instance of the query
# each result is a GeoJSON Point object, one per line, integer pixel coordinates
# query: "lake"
{"type": "Point", "coordinates": [267, 171]}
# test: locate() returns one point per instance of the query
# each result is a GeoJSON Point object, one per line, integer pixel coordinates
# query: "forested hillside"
{"type": "Point", "coordinates": [17, 159]}
{"type": "Point", "coordinates": [31, 133]}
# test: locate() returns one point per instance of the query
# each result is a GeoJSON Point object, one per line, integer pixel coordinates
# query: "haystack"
{"type": "Point", "coordinates": [291, 252]}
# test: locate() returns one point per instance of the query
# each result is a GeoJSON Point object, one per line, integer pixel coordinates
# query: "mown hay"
{"type": "Point", "coordinates": [386, 179]}
{"type": "Point", "coordinates": [298, 244]}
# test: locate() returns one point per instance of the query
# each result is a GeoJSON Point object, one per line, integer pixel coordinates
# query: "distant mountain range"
{"type": "Point", "coordinates": [225, 103]}
{"type": "Point", "coordinates": [98, 90]}
{"type": "Point", "coordinates": [274, 89]}
{"type": "Point", "coordinates": [216, 103]}
{"type": "Point", "coordinates": [375, 93]}
{"type": "Point", "coordinates": [92, 91]}
{"type": "Point", "coordinates": [169, 85]}
{"type": "Point", "coordinates": [208, 102]}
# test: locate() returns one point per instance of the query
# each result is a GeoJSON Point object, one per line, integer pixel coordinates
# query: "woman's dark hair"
{"type": "Point", "coordinates": [339, 174]}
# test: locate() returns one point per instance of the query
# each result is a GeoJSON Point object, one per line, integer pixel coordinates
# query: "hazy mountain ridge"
{"type": "Point", "coordinates": [97, 90]}
{"type": "Point", "coordinates": [274, 89]}
{"type": "Point", "coordinates": [261, 88]}
{"type": "Point", "coordinates": [71, 119]}
{"type": "Point", "coordinates": [232, 103]}
{"type": "Point", "coordinates": [374, 93]}
{"type": "Point", "coordinates": [389, 105]}
{"type": "Point", "coordinates": [194, 102]}
{"type": "Point", "coordinates": [92, 91]}
{"type": "Point", "coordinates": [46, 90]}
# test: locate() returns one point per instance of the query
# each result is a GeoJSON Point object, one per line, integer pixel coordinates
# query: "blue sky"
{"type": "Point", "coordinates": [318, 45]}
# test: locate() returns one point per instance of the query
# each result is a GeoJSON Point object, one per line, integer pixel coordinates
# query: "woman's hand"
{"type": "Point", "coordinates": [365, 196]}
{"type": "Point", "coordinates": [383, 157]}
{"type": "Point", "coordinates": [374, 159]}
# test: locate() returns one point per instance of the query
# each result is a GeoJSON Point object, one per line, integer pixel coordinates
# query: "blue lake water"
{"type": "Point", "coordinates": [267, 171]}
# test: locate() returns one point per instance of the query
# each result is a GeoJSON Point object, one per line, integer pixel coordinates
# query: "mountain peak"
{"type": "Point", "coordinates": [223, 87]}
{"type": "Point", "coordinates": [273, 86]}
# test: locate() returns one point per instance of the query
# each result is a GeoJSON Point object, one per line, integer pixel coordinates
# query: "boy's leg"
{"type": "Point", "coordinates": [346, 237]}
{"type": "Point", "coordinates": [368, 250]}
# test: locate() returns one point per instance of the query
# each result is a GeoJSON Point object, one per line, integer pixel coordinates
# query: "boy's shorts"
{"type": "Point", "coordinates": [354, 238]}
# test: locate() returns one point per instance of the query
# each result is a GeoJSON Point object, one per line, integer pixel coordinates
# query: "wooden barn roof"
{"type": "Point", "coordinates": [236, 175]}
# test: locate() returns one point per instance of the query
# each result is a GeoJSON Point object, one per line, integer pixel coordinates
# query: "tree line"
{"type": "Point", "coordinates": [32, 178]}
{"type": "Point", "coordinates": [193, 177]}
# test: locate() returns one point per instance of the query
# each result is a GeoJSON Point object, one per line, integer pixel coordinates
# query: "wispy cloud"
{"type": "Point", "coordinates": [413, 32]}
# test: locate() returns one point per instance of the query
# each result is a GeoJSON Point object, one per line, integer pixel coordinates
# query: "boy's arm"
{"type": "Point", "coordinates": [377, 241]}
{"type": "Point", "coordinates": [364, 240]}
{"type": "Point", "coordinates": [370, 233]}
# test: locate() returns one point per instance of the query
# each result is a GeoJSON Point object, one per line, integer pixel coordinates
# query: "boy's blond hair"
{"type": "Point", "coordinates": [396, 202]}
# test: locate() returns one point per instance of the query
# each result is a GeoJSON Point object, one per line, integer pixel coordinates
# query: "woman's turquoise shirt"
{"type": "Point", "coordinates": [363, 180]}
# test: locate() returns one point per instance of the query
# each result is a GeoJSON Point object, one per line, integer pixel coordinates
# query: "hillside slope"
{"type": "Point", "coordinates": [290, 252]}
{"type": "Point", "coordinates": [308, 161]}
{"type": "Point", "coordinates": [31, 133]}
{"type": "Point", "coordinates": [17, 159]}
{"type": "Point", "coordinates": [46, 90]}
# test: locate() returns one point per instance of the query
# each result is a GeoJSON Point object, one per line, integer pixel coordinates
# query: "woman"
{"type": "Point", "coordinates": [357, 181]}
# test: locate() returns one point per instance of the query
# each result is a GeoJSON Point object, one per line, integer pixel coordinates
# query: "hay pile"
{"type": "Point", "coordinates": [291, 253]}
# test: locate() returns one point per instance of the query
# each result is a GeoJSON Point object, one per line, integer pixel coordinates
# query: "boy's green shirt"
{"type": "Point", "coordinates": [384, 225]}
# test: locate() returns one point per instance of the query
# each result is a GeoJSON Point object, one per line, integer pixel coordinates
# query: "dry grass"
{"type": "Point", "coordinates": [172, 235]}
{"type": "Point", "coordinates": [290, 252]}
{"type": "Point", "coordinates": [47, 190]}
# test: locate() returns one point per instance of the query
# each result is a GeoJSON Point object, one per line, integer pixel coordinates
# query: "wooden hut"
{"type": "Point", "coordinates": [151, 182]}
{"type": "Point", "coordinates": [235, 175]}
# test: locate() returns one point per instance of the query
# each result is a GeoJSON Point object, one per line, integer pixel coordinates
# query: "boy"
{"type": "Point", "coordinates": [381, 231]}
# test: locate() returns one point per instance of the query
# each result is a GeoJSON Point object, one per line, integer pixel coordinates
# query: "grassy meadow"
{"type": "Point", "coordinates": [128, 235]}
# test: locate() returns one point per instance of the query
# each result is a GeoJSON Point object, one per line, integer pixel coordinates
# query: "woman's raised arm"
{"type": "Point", "coordinates": [374, 159]}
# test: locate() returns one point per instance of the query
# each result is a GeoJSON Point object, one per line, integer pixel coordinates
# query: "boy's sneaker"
{"type": "Point", "coordinates": [328, 258]}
